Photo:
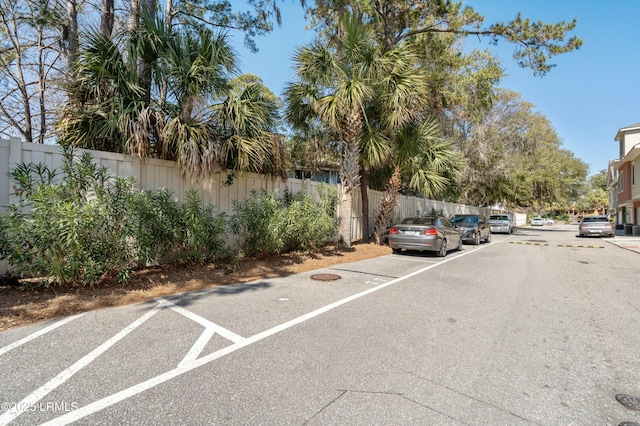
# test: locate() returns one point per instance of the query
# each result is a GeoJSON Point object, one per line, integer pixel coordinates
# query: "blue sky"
{"type": "Point", "coordinates": [587, 97]}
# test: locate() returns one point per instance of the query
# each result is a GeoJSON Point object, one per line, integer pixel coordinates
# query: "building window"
{"type": "Point", "coordinates": [633, 174]}
{"type": "Point", "coordinates": [621, 181]}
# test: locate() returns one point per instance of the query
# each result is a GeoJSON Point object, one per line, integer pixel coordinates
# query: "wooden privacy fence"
{"type": "Point", "coordinates": [151, 174]}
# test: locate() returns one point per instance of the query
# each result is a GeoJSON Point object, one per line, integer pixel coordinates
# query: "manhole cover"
{"type": "Point", "coordinates": [629, 424]}
{"type": "Point", "coordinates": [325, 277]}
{"type": "Point", "coordinates": [629, 401]}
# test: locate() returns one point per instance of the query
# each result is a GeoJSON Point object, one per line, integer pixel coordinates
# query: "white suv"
{"type": "Point", "coordinates": [501, 223]}
{"type": "Point", "coordinates": [537, 221]}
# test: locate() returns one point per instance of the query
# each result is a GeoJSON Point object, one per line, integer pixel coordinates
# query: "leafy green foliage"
{"type": "Point", "coordinates": [259, 222]}
{"type": "Point", "coordinates": [201, 117]}
{"type": "Point", "coordinates": [90, 224]}
{"type": "Point", "coordinates": [309, 225]}
{"type": "Point", "coordinates": [270, 225]}
{"type": "Point", "coordinates": [201, 233]}
{"type": "Point", "coordinates": [398, 21]}
{"type": "Point", "coordinates": [594, 195]}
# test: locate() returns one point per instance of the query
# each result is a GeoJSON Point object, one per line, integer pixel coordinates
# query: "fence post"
{"type": "Point", "coordinates": [15, 158]}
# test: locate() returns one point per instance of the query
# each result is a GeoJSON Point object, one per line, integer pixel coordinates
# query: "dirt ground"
{"type": "Point", "coordinates": [21, 305]}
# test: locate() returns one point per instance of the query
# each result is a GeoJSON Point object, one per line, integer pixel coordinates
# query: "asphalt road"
{"type": "Point", "coordinates": [535, 328]}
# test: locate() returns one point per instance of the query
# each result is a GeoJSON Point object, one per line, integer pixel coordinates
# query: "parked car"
{"type": "Point", "coordinates": [472, 227]}
{"type": "Point", "coordinates": [501, 223]}
{"type": "Point", "coordinates": [596, 225]}
{"type": "Point", "coordinates": [424, 233]}
{"type": "Point", "coordinates": [548, 221]}
{"type": "Point", "coordinates": [537, 221]}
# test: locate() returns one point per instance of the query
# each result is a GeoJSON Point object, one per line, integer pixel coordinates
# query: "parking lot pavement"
{"type": "Point", "coordinates": [629, 242]}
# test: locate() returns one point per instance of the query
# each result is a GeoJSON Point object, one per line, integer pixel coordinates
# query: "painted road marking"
{"type": "Point", "coordinates": [210, 329]}
{"type": "Point", "coordinates": [227, 334]}
{"type": "Point", "coordinates": [38, 334]}
{"type": "Point", "coordinates": [411, 259]}
{"type": "Point", "coordinates": [578, 246]}
{"type": "Point", "coordinates": [155, 381]}
{"type": "Point", "coordinates": [66, 374]}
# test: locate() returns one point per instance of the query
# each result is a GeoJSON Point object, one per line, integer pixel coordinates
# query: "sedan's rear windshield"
{"type": "Point", "coordinates": [419, 221]}
{"type": "Point", "coordinates": [595, 219]}
{"type": "Point", "coordinates": [499, 217]}
{"type": "Point", "coordinates": [464, 219]}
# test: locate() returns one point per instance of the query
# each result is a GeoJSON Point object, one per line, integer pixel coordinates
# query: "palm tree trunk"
{"type": "Point", "coordinates": [364, 196]}
{"type": "Point", "coordinates": [389, 200]}
{"type": "Point", "coordinates": [350, 176]}
{"type": "Point", "coordinates": [344, 226]}
{"type": "Point", "coordinates": [134, 15]}
{"type": "Point", "coordinates": [107, 17]}
{"type": "Point", "coordinates": [72, 35]}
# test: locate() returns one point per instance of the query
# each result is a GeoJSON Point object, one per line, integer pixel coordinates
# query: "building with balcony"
{"type": "Point", "coordinates": [625, 187]}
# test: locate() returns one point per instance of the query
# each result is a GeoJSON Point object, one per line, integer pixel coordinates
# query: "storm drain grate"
{"type": "Point", "coordinates": [325, 277]}
{"type": "Point", "coordinates": [629, 424]}
{"type": "Point", "coordinates": [628, 401]}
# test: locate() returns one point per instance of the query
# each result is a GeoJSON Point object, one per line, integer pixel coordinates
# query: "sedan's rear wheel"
{"type": "Point", "coordinates": [443, 249]}
{"type": "Point", "coordinates": [459, 244]}
{"type": "Point", "coordinates": [488, 240]}
{"type": "Point", "coordinates": [476, 239]}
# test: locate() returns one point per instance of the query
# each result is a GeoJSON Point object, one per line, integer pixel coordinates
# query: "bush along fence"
{"type": "Point", "coordinates": [79, 224]}
{"type": "Point", "coordinates": [145, 212]}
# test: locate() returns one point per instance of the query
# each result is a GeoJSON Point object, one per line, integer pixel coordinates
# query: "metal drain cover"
{"type": "Point", "coordinates": [632, 402]}
{"type": "Point", "coordinates": [629, 424]}
{"type": "Point", "coordinates": [325, 277]}
{"type": "Point", "coordinates": [537, 241]}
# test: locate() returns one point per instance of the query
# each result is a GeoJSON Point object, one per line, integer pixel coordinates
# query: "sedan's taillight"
{"type": "Point", "coordinates": [431, 231]}
{"type": "Point", "coordinates": [393, 231]}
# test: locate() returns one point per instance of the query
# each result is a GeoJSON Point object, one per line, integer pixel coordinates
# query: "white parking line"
{"type": "Point", "coordinates": [210, 329]}
{"type": "Point", "coordinates": [198, 347]}
{"type": "Point", "coordinates": [227, 334]}
{"type": "Point", "coordinates": [155, 381]}
{"type": "Point", "coordinates": [65, 375]}
{"type": "Point", "coordinates": [37, 334]}
{"type": "Point", "coordinates": [410, 259]}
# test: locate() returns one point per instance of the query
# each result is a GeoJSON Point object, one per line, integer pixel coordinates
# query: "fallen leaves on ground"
{"type": "Point", "coordinates": [20, 305]}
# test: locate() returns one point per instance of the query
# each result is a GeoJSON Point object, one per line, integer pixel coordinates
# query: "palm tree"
{"type": "Point", "coordinates": [247, 125]}
{"type": "Point", "coordinates": [422, 158]}
{"type": "Point", "coordinates": [196, 68]}
{"type": "Point", "coordinates": [106, 110]}
{"type": "Point", "coordinates": [202, 123]}
{"type": "Point", "coordinates": [334, 86]}
{"type": "Point", "coordinates": [339, 86]}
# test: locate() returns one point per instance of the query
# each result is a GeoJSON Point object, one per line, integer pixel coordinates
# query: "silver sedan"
{"type": "Point", "coordinates": [425, 233]}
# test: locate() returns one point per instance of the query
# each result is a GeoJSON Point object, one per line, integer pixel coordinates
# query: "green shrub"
{"type": "Point", "coordinates": [90, 224]}
{"type": "Point", "coordinates": [309, 225]}
{"type": "Point", "coordinates": [259, 221]}
{"type": "Point", "coordinates": [202, 233]}
{"type": "Point", "coordinates": [270, 225]}
{"type": "Point", "coordinates": [55, 230]}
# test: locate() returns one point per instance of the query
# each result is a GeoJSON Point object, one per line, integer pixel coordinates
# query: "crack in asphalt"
{"type": "Point", "coordinates": [325, 407]}
{"type": "Point", "coordinates": [489, 404]}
